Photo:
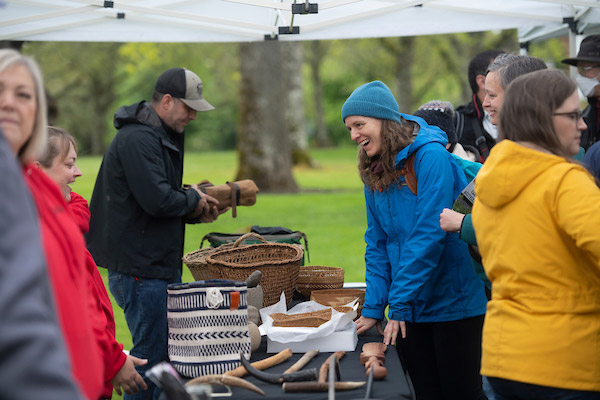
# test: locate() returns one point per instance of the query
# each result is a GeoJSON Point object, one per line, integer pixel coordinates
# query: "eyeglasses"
{"type": "Point", "coordinates": [575, 115]}
{"type": "Point", "coordinates": [585, 71]}
{"type": "Point", "coordinates": [587, 68]}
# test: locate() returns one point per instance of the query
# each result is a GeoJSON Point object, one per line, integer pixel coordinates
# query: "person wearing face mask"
{"type": "Point", "coordinates": [59, 162]}
{"type": "Point", "coordinates": [588, 80]}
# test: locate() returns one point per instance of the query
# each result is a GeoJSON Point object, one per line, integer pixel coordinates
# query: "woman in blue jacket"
{"type": "Point", "coordinates": [436, 302]}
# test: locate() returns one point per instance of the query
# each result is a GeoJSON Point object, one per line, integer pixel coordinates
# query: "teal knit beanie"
{"type": "Point", "coordinates": [372, 99]}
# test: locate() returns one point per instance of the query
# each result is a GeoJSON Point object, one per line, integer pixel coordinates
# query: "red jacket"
{"type": "Point", "coordinates": [65, 254]}
{"type": "Point", "coordinates": [112, 351]}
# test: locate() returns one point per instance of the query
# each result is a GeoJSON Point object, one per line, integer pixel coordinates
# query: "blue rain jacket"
{"type": "Point", "coordinates": [423, 273]}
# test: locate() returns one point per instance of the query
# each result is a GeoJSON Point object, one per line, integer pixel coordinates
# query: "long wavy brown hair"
{"type": "Point", "coordinates": [394, 137]}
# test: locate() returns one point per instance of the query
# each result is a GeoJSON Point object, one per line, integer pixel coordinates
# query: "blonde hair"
{"type": "Point", "coordinates": [34, 146]}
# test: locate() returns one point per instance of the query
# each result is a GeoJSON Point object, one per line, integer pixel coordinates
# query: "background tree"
{"type": "Point", "coordinates": [264, 147]}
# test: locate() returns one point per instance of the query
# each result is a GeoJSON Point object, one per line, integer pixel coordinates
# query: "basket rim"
{"type": "Point", "coordinates": [267, 263]}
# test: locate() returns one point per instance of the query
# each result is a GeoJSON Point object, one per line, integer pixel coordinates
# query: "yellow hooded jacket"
{"type": "Point", "coordinates": [537, 222]}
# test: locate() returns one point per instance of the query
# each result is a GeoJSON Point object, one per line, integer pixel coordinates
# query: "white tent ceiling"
{"type": "Point", "coordinates": [253, 20]}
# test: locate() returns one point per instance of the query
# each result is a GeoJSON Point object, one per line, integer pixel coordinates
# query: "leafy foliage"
{"type": "Point", "coordinates": [89, 81]}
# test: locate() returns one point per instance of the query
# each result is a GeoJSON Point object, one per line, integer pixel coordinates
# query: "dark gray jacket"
{"type": "Point", "coordinates": [138, 204]}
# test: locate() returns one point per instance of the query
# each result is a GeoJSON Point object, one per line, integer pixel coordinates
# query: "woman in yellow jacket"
{"type": "Point", "coordinates": [537, 222]}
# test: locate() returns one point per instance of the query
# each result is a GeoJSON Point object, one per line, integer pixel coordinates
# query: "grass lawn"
{"type": "Point", "coordinates": [329, 209]}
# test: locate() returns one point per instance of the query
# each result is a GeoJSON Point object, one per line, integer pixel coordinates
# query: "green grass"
{"type": "Point", "coordinates": [329, 209]}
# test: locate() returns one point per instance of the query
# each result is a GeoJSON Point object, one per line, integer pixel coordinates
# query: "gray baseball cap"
{"type": "Point", "coordinates": [183, 84]}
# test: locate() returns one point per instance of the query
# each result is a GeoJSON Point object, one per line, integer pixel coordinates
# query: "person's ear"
{"type": "Point", "coordinates": [167, 102]}
{"type": "Point", "coordinates": [480, 79]}
{"type": "Point", "coordinates": [37, 164]}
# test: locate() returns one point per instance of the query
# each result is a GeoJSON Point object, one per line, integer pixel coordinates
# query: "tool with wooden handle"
{"type": "Point", "coordinates": [262, 364]}
{"type": "Point", "coordinates": [225, 380]}
{"type": "Point", "coordinates": [321, 385]}
{"type": "Point", "coordinates": [297, 376]}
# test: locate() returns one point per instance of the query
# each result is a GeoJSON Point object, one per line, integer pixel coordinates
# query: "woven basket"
{"type": "Point", "coordinates": [318, 277]}
{"type": "Point", "coordinates": [196, 260]}
{"type": "Point", "coordinates": [278, 262]}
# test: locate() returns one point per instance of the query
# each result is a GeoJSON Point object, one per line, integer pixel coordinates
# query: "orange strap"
{"type": "Point", "coordinates": [409, 173]}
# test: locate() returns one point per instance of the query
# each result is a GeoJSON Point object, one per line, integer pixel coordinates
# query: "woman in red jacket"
{"type": "Point", "coordinates": [59, 163]}
{"type": "Point", "coordinates": [23, 122]}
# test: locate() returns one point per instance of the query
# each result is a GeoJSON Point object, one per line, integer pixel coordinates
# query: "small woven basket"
{"type": "Point", "coordinates": [278, 262]}
{"type": "Point", "coordinates": [319, 277]}
{"type": "Point", "coordinates": [196, 260]}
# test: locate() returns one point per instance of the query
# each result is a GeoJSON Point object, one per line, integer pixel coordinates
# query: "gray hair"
{"type": "Point", "coordinates": [510, 66]}
{"type": "Point", "coordinates": [32, 149]}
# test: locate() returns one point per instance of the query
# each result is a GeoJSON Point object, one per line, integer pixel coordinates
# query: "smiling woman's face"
{"type": "Point", "coordinates": [494, 95]}
{"type": "Point", "coordinates": [18, 105]}
{"type": "Point", "coordinates": [366, 132]}
{"type": "Point", "coordinates": [64, 171]}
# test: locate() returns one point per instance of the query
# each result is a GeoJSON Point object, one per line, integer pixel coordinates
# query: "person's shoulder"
{"type": "Point", "coordinates": [465, 109]}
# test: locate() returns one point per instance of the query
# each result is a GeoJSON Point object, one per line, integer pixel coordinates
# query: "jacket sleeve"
{"type": "Point", "coordinates": [577, 201]}
{"type": "Point", "coordinates": [378, 269]}
{"type": "Point", "coordinates": [141, 157]}
{"type": "Point", "coordinates": [78, 206]}
{"type": "Point", "coordinates": [467, 232]}
{"type": "Point", "coordinates": [424, 245]}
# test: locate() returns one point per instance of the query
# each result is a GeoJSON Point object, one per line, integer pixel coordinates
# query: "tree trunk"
{"type": "Point", "coordinates": [404, 61]}
{"type": "Point", "coordinates": [292, 57]}
{"type": "Point", "coordinates": [264, 147]}
{"type": "Point", "coordinates": [318, 49]}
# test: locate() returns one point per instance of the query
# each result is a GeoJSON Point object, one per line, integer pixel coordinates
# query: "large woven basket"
{"type": "Point", "coordinates": [319, 277]}
{"type": "Point", "coordinates": [278, 262]}
{"type": "Point", "coordinates": [196, 260]}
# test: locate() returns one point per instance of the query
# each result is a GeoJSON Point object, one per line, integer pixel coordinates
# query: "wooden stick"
{"type": "Point", "coordinates": [298, 365]}
{"type": "Point", "coordinates": [262, 364]}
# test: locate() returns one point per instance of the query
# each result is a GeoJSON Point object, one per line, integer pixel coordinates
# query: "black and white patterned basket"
{"type": "Point", "coordinates": [208, 326]}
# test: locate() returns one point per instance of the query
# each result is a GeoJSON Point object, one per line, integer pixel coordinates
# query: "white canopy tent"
{"type": "Point", "coordinates": [257, 20]}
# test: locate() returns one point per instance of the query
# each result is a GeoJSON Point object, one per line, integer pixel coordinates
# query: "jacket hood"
{"type": "Point", "coordinates": [427, 134]}
{"type": "Point", "coordinates": [138, 113]}
{"type": "Point", "coordinates": [508, 170]}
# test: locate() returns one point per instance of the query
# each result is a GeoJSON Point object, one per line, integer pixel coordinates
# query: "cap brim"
{"type": "Point", "coordinates": [573, 61]}
{"type": "Point", "coordinates": [198, 105]}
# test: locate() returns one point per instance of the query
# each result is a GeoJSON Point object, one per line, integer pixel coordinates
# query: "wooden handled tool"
{"type": "Point", "coordinates": [262, 364]}
{"type": "Point", "coordinates": [321, 385]}
{"type": "Point", "coordinates": [297, 376]}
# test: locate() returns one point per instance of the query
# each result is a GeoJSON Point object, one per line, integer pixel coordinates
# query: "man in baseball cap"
{"type": "Point", "coordinates": [139, 206]}
{"type": "Point", "coordinates": [588, 80]}
{"type": "Point", "coordinates": [183, 84]}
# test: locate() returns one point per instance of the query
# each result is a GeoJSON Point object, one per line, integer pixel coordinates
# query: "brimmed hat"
{"type": "Point", "coordinates": [589, 50]}
{"type": "Point", "coordinates": [441, 114]}
{"type": "Point", "coordinates": [183, 84]}
{"type": "Point", "coordinates": [373, 99]}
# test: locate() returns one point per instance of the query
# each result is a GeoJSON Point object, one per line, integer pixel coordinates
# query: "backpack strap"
{"type": "Point", "coordinates": [480, 141]}
{"type": "Point", "coordinates": [409, 173]}
{"type": "Point", "coordinates": [459, 124]}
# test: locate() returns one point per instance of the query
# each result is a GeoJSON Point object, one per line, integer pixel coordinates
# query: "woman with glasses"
{"type": "Point", "coordinates": [536, 217]}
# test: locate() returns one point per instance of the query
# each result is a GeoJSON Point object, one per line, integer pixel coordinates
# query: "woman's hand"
{"type": "Point", "coordinates": [127, 378]}
{"type": "Point", "coordinates": [451, 221]}
{"type": "Point", "coordinates": [363, 324]}
{"type": "Point", "coordinates": [390, 334]}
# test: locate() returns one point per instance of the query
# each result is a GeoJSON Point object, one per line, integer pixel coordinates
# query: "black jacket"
{"type": "Point", "coordinates": [590, 116]}
{"type": "Point", "coordinates": [468, 121]}
{"type": "Point", "coordinates": [138, 204]}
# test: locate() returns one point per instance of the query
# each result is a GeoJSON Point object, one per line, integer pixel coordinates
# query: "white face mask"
{"type": "Point", "coordinates": [586, 85]}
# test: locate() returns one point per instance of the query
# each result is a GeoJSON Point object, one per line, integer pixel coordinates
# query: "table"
{"type": "Point", "coordinates": [394, 386]}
